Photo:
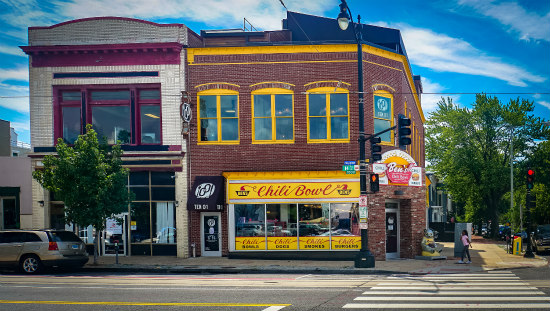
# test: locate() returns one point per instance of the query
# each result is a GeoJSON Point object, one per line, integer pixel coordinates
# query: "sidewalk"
{"type": "Point", "coordinates": [486, 255]}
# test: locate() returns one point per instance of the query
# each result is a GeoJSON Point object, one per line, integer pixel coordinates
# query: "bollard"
{"type": "Point", "coordinates": [193, 249]}
{"type": "Point", "coordinates": [116, 252]}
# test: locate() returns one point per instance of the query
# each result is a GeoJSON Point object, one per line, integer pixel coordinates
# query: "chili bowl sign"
{"type": "Point", "coordinates": [398, 168]}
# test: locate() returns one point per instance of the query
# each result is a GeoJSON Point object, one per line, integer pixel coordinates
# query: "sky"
{"type": "Point", "coordinates": [459, 47]}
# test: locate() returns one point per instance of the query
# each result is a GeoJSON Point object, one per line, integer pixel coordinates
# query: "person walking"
{"type": "Point", "coordinates": [466, 250]}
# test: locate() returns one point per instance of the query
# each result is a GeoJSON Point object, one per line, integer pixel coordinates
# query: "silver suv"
{"type": "Point", "coordinates": [33, 250]}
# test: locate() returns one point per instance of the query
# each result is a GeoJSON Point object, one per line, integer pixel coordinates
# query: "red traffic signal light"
{"type": "Point", "coordinates": [374, 182]}
{"type": "Point", "coordinates": [530, 179]}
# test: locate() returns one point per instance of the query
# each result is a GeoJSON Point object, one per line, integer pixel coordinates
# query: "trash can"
{"type": "Point", "coordinates": [517, 246]}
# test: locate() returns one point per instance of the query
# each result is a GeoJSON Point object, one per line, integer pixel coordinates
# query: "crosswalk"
{"type": "Point", "coordinates": [494, 290]}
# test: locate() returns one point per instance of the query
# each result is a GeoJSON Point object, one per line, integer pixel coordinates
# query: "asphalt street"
{"type": "Point", "coordinates": [523, 289]}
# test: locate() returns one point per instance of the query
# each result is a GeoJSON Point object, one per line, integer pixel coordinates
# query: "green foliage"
{"type": "Point", "coordinates": [89, 178]}
{"type": "Point", "coordinates": [470, 150]}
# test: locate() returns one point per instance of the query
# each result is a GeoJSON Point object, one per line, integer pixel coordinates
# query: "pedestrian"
{"type": "Point", "coordinates": [466, 250]}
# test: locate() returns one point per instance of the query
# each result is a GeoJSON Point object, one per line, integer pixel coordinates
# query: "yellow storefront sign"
{"type": "Point", "coordinates": [282, 243]}
{"type": "Point", "coordinates": [346, 242]}
{"type": "Point", "coordinates": [315, 242]}
{"type": "Point", "coordinates": [249, 243]}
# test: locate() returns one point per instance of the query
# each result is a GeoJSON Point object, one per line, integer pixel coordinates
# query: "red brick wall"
{"type": "Point", "coordinates": [300, 69]}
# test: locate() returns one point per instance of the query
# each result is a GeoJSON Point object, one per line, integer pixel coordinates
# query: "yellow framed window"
{"type": "Point", "coordinates": [383, 115]}
{"type": "Point", "coordinates": [272, 116]}
{"type": "Point", "coordinates": [328, 115]}
{"type": "Point", "coordinates": [218, 116]}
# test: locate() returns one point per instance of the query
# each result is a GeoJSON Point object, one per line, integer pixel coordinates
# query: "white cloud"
{"type": "Point", "coordinates": [431, 95]}
{"type": "Point", "coordinates": [14, 97]}
{"type": "Point", "coordinates": [528, 25]}
{"type": "Point", "coordinates": [21, 126]}
{"type": "Point", "coordinates": [11, 50]}
{"type": "Point", "coordinates": [442, 53]}
{"type": "Point", "coordinates": [19, 74]}
{"type": "Point", "coordinates": [266, 15]}
{"type": "Point", "coordinates": [544, 103]}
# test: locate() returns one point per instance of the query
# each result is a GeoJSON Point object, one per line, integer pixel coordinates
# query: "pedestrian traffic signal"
{"type": "Point", "coordinates": [403, 131]}
{"type": "Point", "coordinates": [374, 182]}
{"type": "Point", "coordinates": [530, 179]}
{"type": "Point", "coordinates": [375, 150]}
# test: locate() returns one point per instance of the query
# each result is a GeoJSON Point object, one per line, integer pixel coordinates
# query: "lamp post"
{"type": "Point", "coordinates": [365, 258]}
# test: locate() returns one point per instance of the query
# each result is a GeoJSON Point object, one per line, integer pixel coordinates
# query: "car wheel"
{"type": "Point", "coordinates": [30, 264]}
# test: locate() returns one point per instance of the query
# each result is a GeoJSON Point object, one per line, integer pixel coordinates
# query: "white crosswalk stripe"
{"type": "Point", "coordinates": [496, 290]}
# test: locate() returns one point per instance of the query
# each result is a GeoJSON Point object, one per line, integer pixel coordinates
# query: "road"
{"type": "Point", "coordinates": [524, 289]}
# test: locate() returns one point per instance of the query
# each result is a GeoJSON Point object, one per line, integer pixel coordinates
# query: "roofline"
{"type": "Point", "coordinates": [106, 18]}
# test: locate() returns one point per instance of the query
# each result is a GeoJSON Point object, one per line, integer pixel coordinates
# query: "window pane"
{"type": "Point", "coordinates": [281, 220]}
{"type": "Point", "coordinates": [314, 219]}
{"type": "Point", "coordinates": [150, 124]}
{"type": "Point", "coordinates": [284, 128]}
{"type": "Point", "coordinates": [111, 95]}
{"type": "Point", "coordinates": [164, 223]}
{"type": "Point", "coordinates": [317, 128]}
{"type": "Point", "coordinates": [70, 95]}
{"type": "Point", "coordinates": [317, 105]}
{"type": "Point", "coordinates": [262, 129]}
{"type": "Point", "coordinates": [71, 124]}
{"type": "Point", "coordinates": [339, 104]}
{"type": "Point", "coordinates": [112, 122]}
{"type": "Point", "coordinates": [283, 105]}
{"type": "Point", "coordinates": [163, 178]}
{"type": "Point", "coordinates": [208, 107]}
{"type": "Point", "coordinates": [339, 127]}
{"type": "Point", "coordinates": [344, 219]}
{"type": "Point", "coordinates": [140, 231]}
{"type": "Point", "coordinates": [149, 94]}
{"type": "Point", "coordinates": [163, 194]}
{"type": "Point", "coordinates": [249, 220]}
{"type": "Point", "coordinates": [139, 178]}
{"type": "Point", "coordinates": [141, 193]}
{"type": "Point", "coordinates": [380, 125]}
{"type": "Point", "coordinates": [230, 129]}
{"type": "Point", "coordinates": [228, 106]}
{"type": "Point", "coordinates": [209, 130]}
{"type": "Point", "coordinates": [262, 105]}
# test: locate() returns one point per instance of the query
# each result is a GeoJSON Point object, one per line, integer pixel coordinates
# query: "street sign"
{"type": "Point", "coordinates": [350, 172]}
{"type": "Point", "coordinates": [348, 167]}
{"type": "Point", "coordinates": [363, 201]}
{"type": "Point", "coordinates": [350, 162]}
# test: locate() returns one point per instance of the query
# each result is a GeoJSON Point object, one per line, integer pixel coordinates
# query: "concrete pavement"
{"type": "Point", "coordinates": [486, 255]}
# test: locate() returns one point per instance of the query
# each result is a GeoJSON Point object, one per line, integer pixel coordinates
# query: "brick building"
{"type": "Point", "coordinates": [275, 114]}
{"type": "Point", "coordinates": [125, 77]}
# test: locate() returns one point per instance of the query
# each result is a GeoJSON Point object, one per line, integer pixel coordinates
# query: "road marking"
{"type": "Point", "coordinates": [453, 287]}
{"type": "Point", "coordinates": [442, 306]}
{"type": "Point", "coordinates": [273, 308]}
{"type": "Point", "coordinates": [128, 303]}
{"type": "Point", "coordinates": [439, 298]}
{"type": "Point", "coordinates": [439, 292]}
{"type": "Point", "coordinates": [445, 283]}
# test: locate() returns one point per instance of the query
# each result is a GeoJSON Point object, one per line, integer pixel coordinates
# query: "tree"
{"type": "Point", "coordinates": [470, 150]}
{"type": "Point", "coordinates": [89, 178]}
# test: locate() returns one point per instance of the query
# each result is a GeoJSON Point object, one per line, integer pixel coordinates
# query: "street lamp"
{"type": "Point", "coordinates": [364, 259]}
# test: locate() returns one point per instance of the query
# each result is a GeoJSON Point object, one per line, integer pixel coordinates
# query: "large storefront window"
{"type": "Point", "coordinates": [305, 226]}
{"type": "Point", "coordinates": [383, 107]}
{"type": "Point", "coordinates": [152, 217]}
{"type": "Point", "coordinates": [125, 114]}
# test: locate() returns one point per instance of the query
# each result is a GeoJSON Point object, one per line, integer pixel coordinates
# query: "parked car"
{"type": "Point", "coordinates": [33, 250]}
{"type": "Point", "coordinates": [540, 240]}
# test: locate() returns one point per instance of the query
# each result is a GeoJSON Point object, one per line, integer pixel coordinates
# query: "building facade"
{"type": "Point", "coordinates": [126, 78]}
{"type": "Point", "coordinates": [270, 117]}
{"type": "Point", "coordinates": [275, 114]}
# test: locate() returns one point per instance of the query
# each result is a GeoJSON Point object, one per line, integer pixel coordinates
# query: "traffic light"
{"type": "Point", "coordinates": [531, 201]}
{"type": "Point", "coordinates": [403, 131]}
{"type": "Point", "coordinates": [530, 179]}
{"type": "Point", "coordinates": [374, 182]}
{"type": "Point", "coordinates": [375, 149]}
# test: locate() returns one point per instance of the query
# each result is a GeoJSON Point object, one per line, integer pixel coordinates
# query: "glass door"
{"type": "Point", "coordinates": [392, 230]}
{"type": "Point", "coordinates": [211, 234]}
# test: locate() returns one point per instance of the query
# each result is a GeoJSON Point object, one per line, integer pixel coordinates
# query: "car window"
{"type": "Point", "coordinates": [64, 236]}
{"type": "Point", "coordinates": [12, 237]}
{"type": "Point", "coordinates": [32, 237]}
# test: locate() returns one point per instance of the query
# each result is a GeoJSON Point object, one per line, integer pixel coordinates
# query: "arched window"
{"type": "Point", "coordinates": [218, 115]}
{"type": "Point", "coordinates": [328, 115]}
{"type": "Point", "coordinates": [272, 116]}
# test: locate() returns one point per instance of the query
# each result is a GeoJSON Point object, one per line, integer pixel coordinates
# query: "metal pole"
{"type": "Point", "coordinates": [365, 258]}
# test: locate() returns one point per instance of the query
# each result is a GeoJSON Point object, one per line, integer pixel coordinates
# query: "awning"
{"type": "Point", "coordinates": [206, 194]}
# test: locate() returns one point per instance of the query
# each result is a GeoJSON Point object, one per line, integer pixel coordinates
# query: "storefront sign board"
{"type": "Point", "coordinates": [398, 168]}
{"type": "Point", "coordinates": [249, 243]}
{"type": "Point", "coordinates": [315, 242]}
{"type": "Point", "coordinates": [282, 243]}
{"type": "Point", "coordinates": [346, 242]}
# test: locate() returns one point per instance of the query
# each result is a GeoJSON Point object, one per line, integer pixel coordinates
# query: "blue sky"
{"type": "Point", "coordinates": [459, 47]}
